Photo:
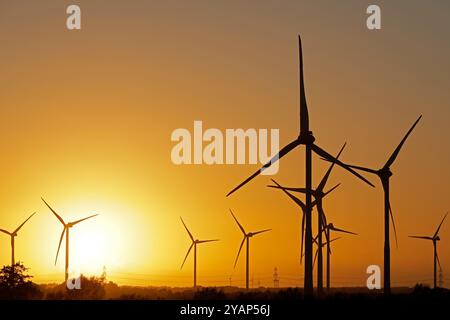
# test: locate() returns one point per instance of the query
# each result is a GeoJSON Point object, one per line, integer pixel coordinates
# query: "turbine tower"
{"type": "Point", "coordinates": [246, 239]}
{"type": "Point", "coordinates": [302, 205]}
{"type": "Point", "coordinates": [319, 193]}
{"type": "Point", "coordinates": [307, 139]}
{"type": "Point", "coordinates": [13, 235]}
{"type": "Point", "coordinates": [435, 238]}
{"type": "Point", "coordinates": [65, 231]}
{"type": "Point", "coordinates": [328, 228]}
{"type": "Point", "coordinates": [194, 244]}
{"type": "Point", "coordinates": [385, 174]}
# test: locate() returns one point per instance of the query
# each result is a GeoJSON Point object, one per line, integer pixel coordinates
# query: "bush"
{"type": "Point", "coordinates": [16, 284]}
{"type": "Point", "coordinates": [92, 288]}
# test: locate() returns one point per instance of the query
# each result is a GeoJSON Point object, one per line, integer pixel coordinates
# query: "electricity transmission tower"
{"type": "Point", "coordinates": [276, 280]}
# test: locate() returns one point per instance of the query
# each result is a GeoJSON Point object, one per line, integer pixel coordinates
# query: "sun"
{"type": "Point", "coordinates": [89, 252]}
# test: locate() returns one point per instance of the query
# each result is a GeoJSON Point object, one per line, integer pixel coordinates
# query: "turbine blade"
{"type": "Point", "coordinates": [437, 231]}
{"type": "Point", "coordinates": [299, 190]}
{"type": "Point", "coordinates": [189, 233]}
{"type": "Point", "coordinates": [78, 221]}
{"type": "Point", "coordinates": [54, 212]}
{"type": "Point", "coordinates": [240, 226]}
{"type": "Point", "coordinates": [303, 237]}
{"type": "Point", "coordinates": [331, 190]}
{"type": "Point", "coordinates": [421, 237]}
{"type": "Point", "coordinates": [393, 225]}
{"type": "Point", "coordinates": [369, 170]}
{"type": "Point", "coordinates": [4, 231]}
{"type": "Point", "coordinates": [290, 195]}
{"type": "Point", "coordinates": [304, 117]}
{"type": "Point", "coordinates": [335, 239]}
{"type": "Point", "coordinates": [262, 231]}
{"type": "Point", "coordinates": [399, 147]}
{"type": "Point", "coordinates": [324, 180]}
{"type": "Point", "coordinates": [324, 224]}
{"type": "Point", "coordinates": [329, 157]}
{"type": "Point", "coordinates": [274, 159]}
{"type": "Point", "coordinates": [239, 252]}
{"type": "Point", "coordinates": [315, 257]}
{"type": "Point", "coordinates": [343, 231]}
{"type": "Point", "coordinates": [203, 241]}
{"type": "Point", "coordinates": [189, 250]}
{"type": "Point", "coordinates": [59, 245]}
{"type": "Point", "coordinates": [18, 228]}
{"type": "Point", "coordinates": [315, 240]}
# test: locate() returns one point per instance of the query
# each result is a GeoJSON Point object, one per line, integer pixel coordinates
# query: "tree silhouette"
{"type": "Point", "coordinates": [15, 283]}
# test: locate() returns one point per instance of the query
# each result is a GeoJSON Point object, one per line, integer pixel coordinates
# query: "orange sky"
{"type": "Point", "coordinates": [86, 118]}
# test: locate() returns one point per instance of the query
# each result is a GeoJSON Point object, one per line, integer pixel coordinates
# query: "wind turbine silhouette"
{"type": "Point", "coordinates": [435, 238]}
{"type": "Point", "coordinates": [66, 229]}
{"type": "Point", "coordinates": [194, 244]}
{"type": "Point", "coordinates": [319, 194]}
{"type": "Point", "coordinates": [246, 239]}
{"type": "Point", "coordinates": [328, 228]}
{"type": "Point", "coordinates": [385, 174]}
{"type": "Point", "coordinates": [13, 235]}
{"type": "Point", "coordinates": [307, 139]}
{"type": "Point", "coordinates": [302, 205]}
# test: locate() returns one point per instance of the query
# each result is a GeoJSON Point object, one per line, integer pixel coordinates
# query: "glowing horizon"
{"type": "Point", "coordinates": [86, 119]}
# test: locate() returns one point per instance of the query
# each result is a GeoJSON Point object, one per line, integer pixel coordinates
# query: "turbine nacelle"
{"type": "Point", "coordinates": [306, 138]}
{"type": "Point", "coordinates": [384, 173]}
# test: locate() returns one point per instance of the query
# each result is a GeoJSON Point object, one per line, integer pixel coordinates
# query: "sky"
{"type": "Point", "coordinates": [86, 118]}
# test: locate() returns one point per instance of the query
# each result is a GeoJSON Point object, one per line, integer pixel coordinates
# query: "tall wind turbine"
{"type": "Point", "coordinates": [302, 205]}
{"type": "Point", "coordinates": [246, 239]}
{"type": "Point", "coordinates": [13, 235]}
{"type": "Point", "coordinates": [435, 238]}
{"type": "Point", "coordinates": [307, 139]}
{"type": "Point", "coordinates": [319, 194]}
{"type": "Point", "coordinates": [66, 229]}
{"type": "Point", "coordinates": [194, 244]}
{"type": "Point", "coordinates": [385, 174]}
{"type": "Point", "coordinates": [328, 228]}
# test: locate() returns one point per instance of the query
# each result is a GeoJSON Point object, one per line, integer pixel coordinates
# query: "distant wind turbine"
{"type": "Point", "coordinates": [13, 235]}
{"type": "Point", "coordinates": [319, 194]}
{"type": "Point", "coordinates": [328, 228]}
{"type": "Point", "coordinates": [302, 205]}
{"type": "Point", "coordinates": [246, 239]}
{"type": "Point", "coordinates": [67, 226]}
{"type": "Point", "coordinates": [435, 238]}
{"type": "Point", "coordinates": [194, 244]}
{"type": "Point", "coordinates": [385, 174]}
{"type": "Point", "coordinates": [307, 139]}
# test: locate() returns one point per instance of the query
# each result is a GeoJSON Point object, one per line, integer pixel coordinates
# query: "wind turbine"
{"type": "Point", "coordinates": [66, 229]}
{"type": "Point", "coordinates": [13, 235]}
{"type": "Point", "coordinates": [328, 228]}
{"type": "Point", "coordinates": [385, 174]}
{"type": "Point", "coordinates": [194, 244]}
{"type": "Point", "coordinates": [246, 239]}
{"type": "Point", "coordinates": [319, 194]}
{"type": "Point", "coordinates": [302, 205]}
{"type": "Point", "coordinates": [307, 139]}
{"type": "Point", "coordinates": [435, 238]}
